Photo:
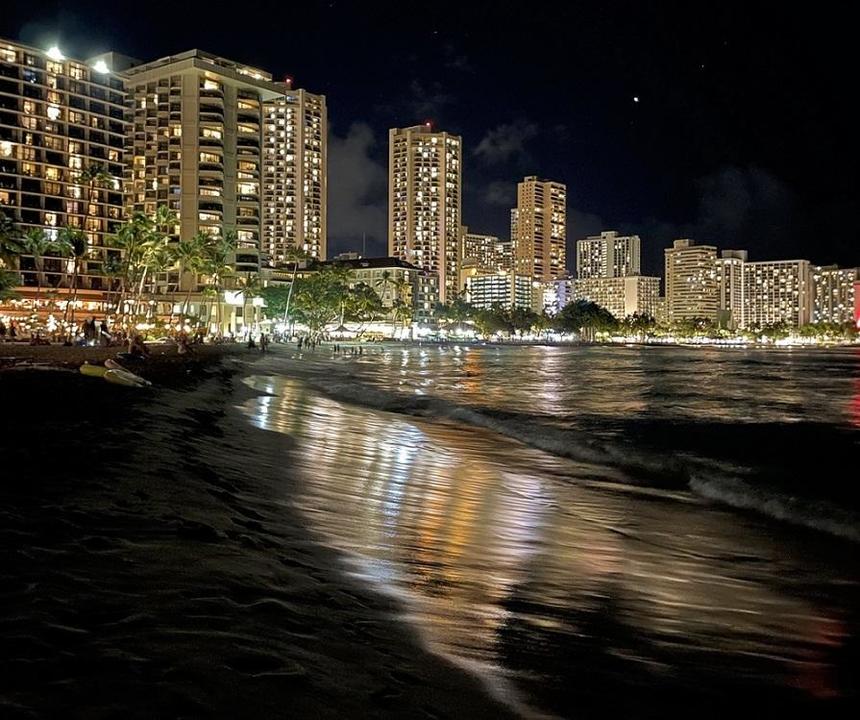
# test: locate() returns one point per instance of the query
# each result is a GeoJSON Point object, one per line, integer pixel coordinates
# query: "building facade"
{"type": "Point", "coordinates": [691, 281]}
{"type": "Point", "coordinates": [424, 201]}
{"type": "Point", "coordinates": [833, 294]}
{"type": "Point", "coordinates": [483, 249]}
{"type": "Point", "coordinates": [394, 279]}
{"type": "Point", "coordinates": [556, 294]}
{"type": "Point", "coordinates": [503, 288]}
{"type": "Point", "coordinates": [539, 229]}
{"type": "Point", "coordinates": [59, 119]}
{"type": "Point", "coordinates": [730, 287]}
{"type": "Point", "coordinates": [621, 296]}
{"type": "Point", "coordinates": [777, 291]}
{"type": "Point", "coordinates": [608, 255]}
{"type": "Point", "coordinates": [195, 145]}
{"type": "Point", "coordinates": [295, 178]}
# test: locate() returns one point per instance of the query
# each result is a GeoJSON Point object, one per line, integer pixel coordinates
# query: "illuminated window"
{"type": "Point", "coordinates": [5, 149]}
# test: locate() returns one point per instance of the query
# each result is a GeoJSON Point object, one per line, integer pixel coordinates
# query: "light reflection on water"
{"type": "Point", "coordinates": [527, 565]}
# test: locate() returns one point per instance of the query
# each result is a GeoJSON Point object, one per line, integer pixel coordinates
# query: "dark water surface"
{"type": "Point", "coordinates": [578, 532]}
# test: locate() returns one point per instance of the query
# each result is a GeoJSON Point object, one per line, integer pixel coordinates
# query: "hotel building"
{"type": "Point", "coordinates": [196, 145]}
{"type": "Point", "coordinates": [730, 287]}
{"type": "Point", "coordinates": [294, 175]}
{"type": "Point", "coordinates": [483, 249]}
{"type": "Point", "coordinates": [777, 291]}
{"type": "Point", "coordinates": [59, 118]}
{"type": "Point", "coordinates": [418, 287]}
{"type": "Point", "coordinates": [539, 229]}
{"type": "Point", "coordinates": [424, 201]}
{"type": "Point", "coordinates": [833, 294]}
{"type": "Point", "coordinates": [503, 288]}
{"type": "Point", "coordinates": [622, 296]}
{"type": "Point", "coordinates": [217, 141]}
{"type": "Point", "coordinates": [608, 255]}
{"type": "Point", "coordinates": [691, 281]}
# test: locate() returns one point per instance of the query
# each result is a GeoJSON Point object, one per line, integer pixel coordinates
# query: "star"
{"type": "Point", "coordinates": [636, 98]}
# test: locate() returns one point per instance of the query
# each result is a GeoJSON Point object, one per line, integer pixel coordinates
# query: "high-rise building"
{"type": "Point", "coordinates": [424, 201]}
{"type": "Point", "coordinates": [608, 255]}
{"type": "Point", "coordinates": [777, 291]}
{"type": "Point", "coordinates": [294, 175]}
{"type": "Point", "coordinates": [483, 249]}
{"type": "Point", "coordinates": [833, 291]}
{"type": "Point", "coordinates": [621, 296]}
{"type": "Point", "coordinates": [730, 287]}
{"type": "Point", "coordinates": [691, 281]}
{"type": "Point", "coordinates": [539, 229]}
{"type": "Point", "coordinates": [59, 119]}
{"type": "Point", "coordinates": [504, 255]}
{"type": "Point", "coordinates": [196, 145]}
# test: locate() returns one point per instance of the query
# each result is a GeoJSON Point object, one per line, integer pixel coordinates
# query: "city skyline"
{"type": "Point", "coordinates": [649, 167]}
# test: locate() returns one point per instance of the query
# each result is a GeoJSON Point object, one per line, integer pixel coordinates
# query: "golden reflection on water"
{"type": "Point", "coordinates": [492, 545]}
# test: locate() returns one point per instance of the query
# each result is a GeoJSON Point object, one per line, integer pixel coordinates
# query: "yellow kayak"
{"type": "Point", "coordinates": [93, 370]}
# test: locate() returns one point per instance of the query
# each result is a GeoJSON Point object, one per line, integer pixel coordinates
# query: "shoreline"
{"type": "Point", "coordinates": [164, 362]}
{"type": "Point", "coordinates": [177, 557]}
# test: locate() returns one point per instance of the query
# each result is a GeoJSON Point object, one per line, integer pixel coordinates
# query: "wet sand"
{"type": "Point", "coordinates": [152, 565]}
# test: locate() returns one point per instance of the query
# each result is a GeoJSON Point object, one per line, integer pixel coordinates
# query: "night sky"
{"type": "Point", "coordinates": [743, 133]}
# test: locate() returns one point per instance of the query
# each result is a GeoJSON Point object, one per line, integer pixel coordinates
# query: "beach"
{"type": "Point", "coordinates": [420, 532]}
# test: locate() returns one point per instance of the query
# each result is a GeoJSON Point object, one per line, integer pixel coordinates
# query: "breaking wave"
{"type": "Point", "coordinates": [639, 466]}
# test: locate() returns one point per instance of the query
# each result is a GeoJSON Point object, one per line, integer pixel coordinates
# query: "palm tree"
{"type": "Point", "coordinates": [217, 252]}
{"type": "Point", "coordinates": [73, 242]}
{"type": "Point", "coordinates": [296, 255]}
{"type": "Point", "coordinates": [8, 282]}
{"type": "Point", "coordinates": [113, 270]}
{"type": "Point", "coordinates": [37, 242]}
{"type": "Point", "coordinates": [251, 287]}
{"type": "Point", "coordinates": [402, 314]}
{"type": "Point", "coordinates": [187, 257]}
{"type": "Point", "coordinates": [385, 282]}
{"type": "Point", "coordinates": [10, 244]}
{"type": "Point", "coordinates": [93, 176]}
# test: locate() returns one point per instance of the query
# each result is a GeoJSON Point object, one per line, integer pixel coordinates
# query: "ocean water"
{"type": "Point", "coordinates": [436, 532]}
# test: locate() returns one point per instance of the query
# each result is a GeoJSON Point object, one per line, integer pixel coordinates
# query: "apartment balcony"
{"type": "Point", "coordinates": [211, 167]}
{"type": "Point", "coordinates": [209, 96]}
{"type": "Point", "coordinates": [210, 204]}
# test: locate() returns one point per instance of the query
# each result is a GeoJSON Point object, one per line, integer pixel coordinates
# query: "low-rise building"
{"type": "Point", "coordinates": [621, 296]}
{"type": "Point", "coordinates": [395, 279]}
{"type": "Point", "coordinates": [484, 290]}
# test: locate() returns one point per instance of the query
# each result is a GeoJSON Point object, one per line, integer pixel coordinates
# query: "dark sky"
{"type": "Point", "coordinates": [743, 134]}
